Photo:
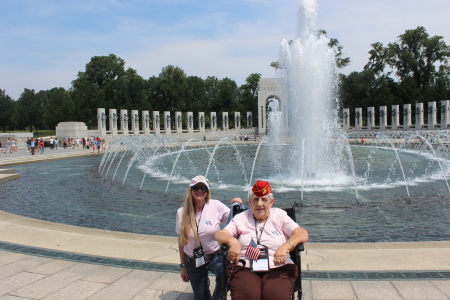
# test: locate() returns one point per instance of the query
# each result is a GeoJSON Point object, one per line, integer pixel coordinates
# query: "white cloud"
{"type": "Point", "coordinates": [212, 39]}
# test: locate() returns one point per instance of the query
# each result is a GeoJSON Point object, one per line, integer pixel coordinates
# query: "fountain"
{"type": "Point", "coordinates": [351, 192]}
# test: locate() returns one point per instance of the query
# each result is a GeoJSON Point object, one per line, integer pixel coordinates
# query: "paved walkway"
{"type": "Point", "coordinates": [45, 260]}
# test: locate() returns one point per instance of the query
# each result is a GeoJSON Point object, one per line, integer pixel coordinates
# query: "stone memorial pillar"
{"type": "Point", "coordinates": [395, 117]}
{"type": "Point", "coordinates": [113, 118]}
{"type": "Point", "coordinates": [445, 113]}
{"type": "Point", "coordinates": [418, 112]}
{"type": "Point", "coordinates": [406, 116]}
{"type": "Point", "coordinates": [190, 121]}
{"type": "Point", "coordinates": [124, 122]}
{"type": "Point", "coordinates": [358, 118]}
{"type": "Point", "coordinates": [145, 118]}
{"type": "Point", "coordinates": [135, 122]}
{"type": "Point", "coordinates": [201, 122]}
{"type": "Point", "coordinates": [101, 122]}
{"type": "Point", "coordinates": [432, 115]}
{"type": "Point", "coordinates": [225, 121]}
{"type": "Point", "coordinates": [370, 117]}
{"type": "Point", "coordinates": [213, 121]}
{"type": "Point", "coordinates": [383, 117]}
{"type": "Point", "coordinates": [249, 119]}
{"type": "Point", "coordinates": [179, 122]}
{"type": "Point", "coordinates": [237, 120]}
{"type": "Point", "coordinates": [156, 124]}
{"type": "Point", "coordinates": [167, 123]}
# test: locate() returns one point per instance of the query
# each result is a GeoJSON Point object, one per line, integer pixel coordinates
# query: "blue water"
{"type": "Point", "coordinates": [72, 192]}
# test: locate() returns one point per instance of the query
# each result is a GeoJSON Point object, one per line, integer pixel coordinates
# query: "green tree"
{"type": "Point", "coordinates": [196, 94]}
{"type": "Point", "coordinates": [173, 87]}
{"type": "Point", "coordinates": [227, 96]}
{"type": "Point", "coordinates": [418, 60]}
{"type": "Point", "coordinates": [212, 92]}
{"type": "Point", "coordinates": [97, 86]}
{"type": "Point", "coordinates": [130, 92]}
{"type": "Point", "coordinates": [7, 111]}
{"type": "Point", "coordinates": [365, 89]}
{"type": "Point", "coordinates": [249, 95]}
{"type": "Point", "coordinates": [58, 107]}
{"type": "Point", "coordinates": [30, 109]}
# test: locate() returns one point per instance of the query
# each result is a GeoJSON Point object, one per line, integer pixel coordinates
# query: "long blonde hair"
{"type": "Point", "coordinates": [188, 222]}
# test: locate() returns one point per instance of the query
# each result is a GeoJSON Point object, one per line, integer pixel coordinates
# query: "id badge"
{"type": "Point", "coordinates": [199, 257]}
{"type": "Point", "coordinates": [262, 265]}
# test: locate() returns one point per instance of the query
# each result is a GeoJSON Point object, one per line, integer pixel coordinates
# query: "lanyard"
{"type": "Point", "coordinates": [258, 239]}
{"type": "Point", "coordinates": [197, 224]}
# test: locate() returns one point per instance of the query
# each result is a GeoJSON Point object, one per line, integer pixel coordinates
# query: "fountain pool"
{"type": "Point", "coordinates": [73, 191]}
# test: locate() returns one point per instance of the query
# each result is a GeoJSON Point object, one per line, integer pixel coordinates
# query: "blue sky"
{"type": "Point", "coordinates": [45, 43]}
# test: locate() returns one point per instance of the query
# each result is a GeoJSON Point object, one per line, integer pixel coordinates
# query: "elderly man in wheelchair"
{"type": "Point", "coordinates": [260, 240]}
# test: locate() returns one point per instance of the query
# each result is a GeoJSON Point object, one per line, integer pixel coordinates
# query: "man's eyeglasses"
{"type": "Point", "coordinates": [195, 188]}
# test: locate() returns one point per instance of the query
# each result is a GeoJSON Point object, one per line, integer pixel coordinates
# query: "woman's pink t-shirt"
{"type": "Point", "coordinates": [277, 230]}
{"type": "Point", "coordinates": [214, 212]}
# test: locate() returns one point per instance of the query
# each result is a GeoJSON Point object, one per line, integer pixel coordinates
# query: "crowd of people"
{"type": "Point", "coordinates": [10, 146]}
{"type": "Point", "coordinates": [38, 145]}
{"type": "Point", "coordinates": [259, 240]}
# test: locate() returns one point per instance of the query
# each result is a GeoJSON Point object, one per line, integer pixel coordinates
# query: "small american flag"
{"type": "Point", "coordinates": [252, 251]}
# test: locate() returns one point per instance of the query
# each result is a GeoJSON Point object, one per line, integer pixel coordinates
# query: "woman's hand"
{"type": "Point", "coordinates": [280, 255]}
{"type": "Point", "coordinates": [234, 253]}
{"type": "Point", "coordinates": [184, 274]}
{"type": "Point", "coordinates": [237, 200]}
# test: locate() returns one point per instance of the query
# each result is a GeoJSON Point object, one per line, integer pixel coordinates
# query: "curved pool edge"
{"type": "Point", "coordinates": [130, 247]}
{"type": "Point", "coordinates": [320, 257]}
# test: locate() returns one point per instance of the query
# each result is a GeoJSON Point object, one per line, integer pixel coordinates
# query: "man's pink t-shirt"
{"type": "Point", "coordinates": [214, 212]}
{"type": "Point", "coordinates": [277, 230]}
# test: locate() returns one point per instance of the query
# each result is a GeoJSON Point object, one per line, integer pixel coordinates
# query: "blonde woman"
{"type": "Point", "coordinates": [197, 222]}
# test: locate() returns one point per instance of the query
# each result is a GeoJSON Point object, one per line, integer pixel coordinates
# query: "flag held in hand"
{"type": "Point", "coordinates": [252, 251]}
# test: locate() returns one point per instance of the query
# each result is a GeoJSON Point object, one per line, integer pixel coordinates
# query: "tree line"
{"type": "Point", "coordinates": [106, 83]}
{"type": "Point", "coordinates": [413, 69]}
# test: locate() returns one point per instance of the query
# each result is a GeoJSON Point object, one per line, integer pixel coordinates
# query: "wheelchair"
{"type": "Point", "coordinates": [294, 254]}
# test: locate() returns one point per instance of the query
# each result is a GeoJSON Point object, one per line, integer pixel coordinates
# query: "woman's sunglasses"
{"type": "Point", "coordinates": [195, 188]}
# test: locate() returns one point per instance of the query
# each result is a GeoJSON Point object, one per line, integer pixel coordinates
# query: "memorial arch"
{"type": "Point", "coordinates": [269, 89]}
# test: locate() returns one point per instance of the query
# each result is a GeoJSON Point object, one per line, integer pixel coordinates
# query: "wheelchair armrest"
{"type": "Point", "coordinates": [300, 247]}
{"type": "Point", "coordinates": [224, 248]}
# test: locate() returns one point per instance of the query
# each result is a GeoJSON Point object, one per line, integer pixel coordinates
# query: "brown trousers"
{"type": "Point", "coordinates": [278, 284]}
